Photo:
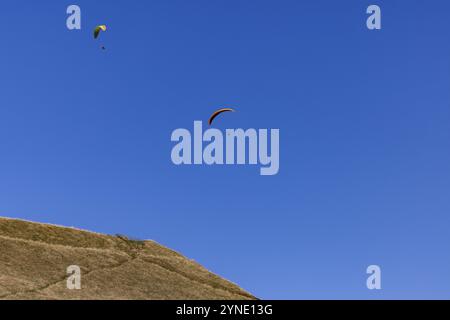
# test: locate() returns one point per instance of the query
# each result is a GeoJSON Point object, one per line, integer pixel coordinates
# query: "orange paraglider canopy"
{"type": "Point", "coordinates": [216, 113]}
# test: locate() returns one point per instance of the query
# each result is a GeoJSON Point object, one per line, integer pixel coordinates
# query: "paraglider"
{"type": "Point", "coordinates": [216, 113]}
{"type": "Point", "coordinates": [97, 31]}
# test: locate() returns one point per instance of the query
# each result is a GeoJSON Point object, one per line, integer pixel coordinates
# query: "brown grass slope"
{"type": "Point", "coordinates": [34, 258]}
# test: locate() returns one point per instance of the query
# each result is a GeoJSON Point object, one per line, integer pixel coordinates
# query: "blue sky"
{"type": "Point", "coordinates": [364, 136]}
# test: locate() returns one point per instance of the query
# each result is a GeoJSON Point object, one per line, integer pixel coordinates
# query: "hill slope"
{"type": "Point", "coordinates": [34, 258]}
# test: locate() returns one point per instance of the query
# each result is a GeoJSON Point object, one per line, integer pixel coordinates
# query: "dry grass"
{"type": "Point", "coordinates": [34, 258]}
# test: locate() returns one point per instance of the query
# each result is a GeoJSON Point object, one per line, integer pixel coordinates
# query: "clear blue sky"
{"type": "Point", "coordinates": [364, 119]}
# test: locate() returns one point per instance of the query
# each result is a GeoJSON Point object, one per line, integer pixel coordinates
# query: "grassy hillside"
{"type": "Point", "coordinates": [34, 258]}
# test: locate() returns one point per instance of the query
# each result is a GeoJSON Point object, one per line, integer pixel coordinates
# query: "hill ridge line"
{"type": "Point", "coordinates": [158, 272]}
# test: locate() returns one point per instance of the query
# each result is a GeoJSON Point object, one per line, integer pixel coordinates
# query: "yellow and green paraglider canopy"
{"type": "Point", "coordinates": [98, 29]}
